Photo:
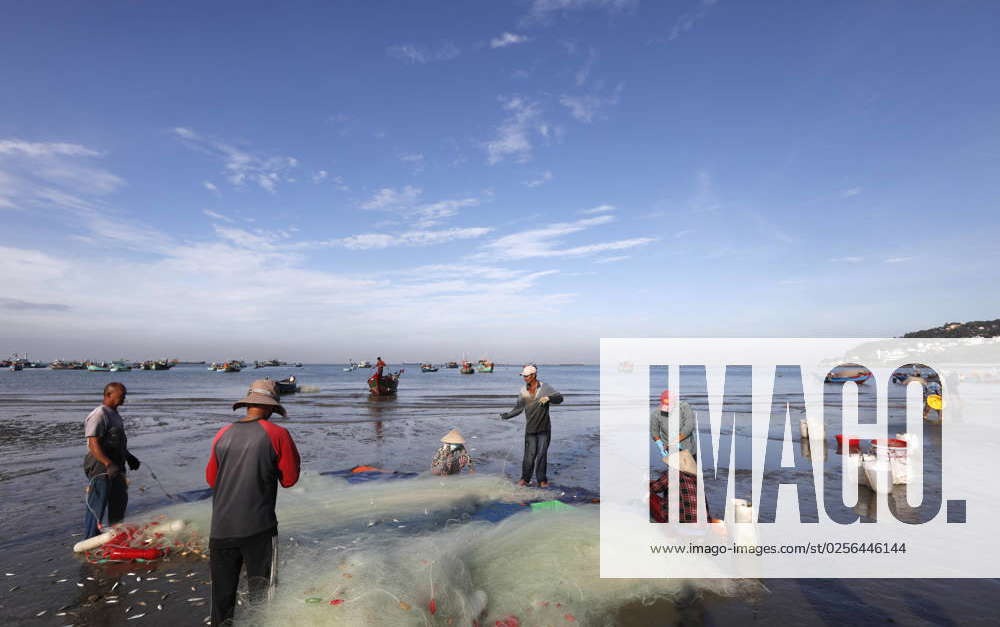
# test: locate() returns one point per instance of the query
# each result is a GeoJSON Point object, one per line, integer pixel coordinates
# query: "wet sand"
{"type": "Point", "coordinates": [41, 491]}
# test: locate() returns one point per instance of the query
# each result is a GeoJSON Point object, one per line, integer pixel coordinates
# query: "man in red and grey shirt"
{"type": "Point", "coordinates": [249, 458]}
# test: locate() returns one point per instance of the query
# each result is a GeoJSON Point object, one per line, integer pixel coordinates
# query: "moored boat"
{"type": "Point", "coordinates": [485, 366]}
{"type": "Point", "coordinates": [452, 364]}
{"type": "Point", "coordinates": [428, 368]}
{"type": "Point", "coordinates": [467, 368]}
{"type": "Point", "coordinates": [99, 367]}
{"type": "Point", "coordinates": [287, 386]}
{"type": "Point", "coordinates": [848, 373]}
{"type": "Point", "coordinates": [119, 366]}
{"type": "Point", "coordinates": [386, 386]}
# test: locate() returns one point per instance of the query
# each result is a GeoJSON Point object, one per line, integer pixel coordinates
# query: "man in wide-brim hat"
{"type": "Point", "coordinates": [249, 458]}
{"type": "Point", "coordinates": [452, 457]}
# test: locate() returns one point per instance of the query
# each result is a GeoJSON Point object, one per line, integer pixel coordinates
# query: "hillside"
{"type": "Point", "coordinates": [976, 328]}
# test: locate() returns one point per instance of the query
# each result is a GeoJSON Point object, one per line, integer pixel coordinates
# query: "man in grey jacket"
{"type": "Point", "coordinates": [534, 400]}
{"type": "Point", "coordinates": [659, 418]}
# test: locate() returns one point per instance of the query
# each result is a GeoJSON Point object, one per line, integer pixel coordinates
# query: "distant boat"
{"type": "Point", "coordinates": [364, 363]}
{"type": "Point", "coordinates": [101, 367]}
{"type": "Point", "coordinates": [467, 368]}
{"type": "Point", "coordinates": [485, 366]}
{"type": "Point", "coordinates": [428, 368]}
{"type": "Point", "coordinates": [287, 386]}
{"type": "Point", "coordinates": [229, 366]}
{"type": "Point", "coordinates": [119, 366]}
{"type": "Point", "coordinates": [384, 387]}
{"type": "Point", "coordinates": [16, 367]}
{"type": "Point", "coordinates": [452, 364]}
{"type": "Point", "coordinates": [850, 372]}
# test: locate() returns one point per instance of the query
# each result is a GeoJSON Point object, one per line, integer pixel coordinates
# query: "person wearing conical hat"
{"type": "Point", "coordinates": [452, 457]}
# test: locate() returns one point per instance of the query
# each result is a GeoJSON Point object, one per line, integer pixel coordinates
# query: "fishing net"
{"type": "Point", "coordinates": [424, 551]}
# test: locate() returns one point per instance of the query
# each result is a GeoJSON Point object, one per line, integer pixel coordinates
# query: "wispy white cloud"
{"type": "Point", "coordinates": [507, 39]}
{"type": "Point", "coordinates": [853, 191]}
{"type": "Point", "coordinates": [612, 259]}
{"type": "Point", "coordinates": [407, 202]}
{"type": "Point", "coordinates": [367, 241]}
{"type": "Point", "coordinates": [320, 176]}
{"type": "Point", "coordinates": [598, 209]}
{"type": "Point", "coordinates": [847, 259]}
{"type": "Point", "coordinates": [388, 198]}
{"type": "Point", "coordinates": [514, 136]}
{"type": "Point", "coordinates": [210, 186]}
{"type": "Point", "coordinates": [898, 259]}
{"type": "Point", "coordinates": [584, 72]}
{"type": "Point", "coordinates": [686, 22]}
{"type": "Point", "coordinates": [45, 149]}
{"type": "Point", "coordinates": [540, 180]}
{"type": "Point", "coordinates": [241, 166]}
{"type": "Point", "coordinates": [412, 53]}
{"type": "Point", "coordinates": [543, 9]}
{"type": "Point", "coordinates": [546, 242]}
{"type": "Point", "coordinates": [52, 175]}
{"type": "Point", "coordinates": [217, 216]}
{"type": "Point", "coordinates": [585, 108]}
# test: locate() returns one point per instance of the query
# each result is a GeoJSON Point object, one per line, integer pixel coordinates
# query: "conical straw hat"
{"type": "Point", "coordinates": [453, 437]}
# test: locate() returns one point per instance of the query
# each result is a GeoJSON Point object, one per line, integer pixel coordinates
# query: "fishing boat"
{"type": "Point", "coordinates": [16, 367]}
{"type": "Point", "coordinates": [850, 372]}
{"type": "Point", "coordinates": [452, 364]}
{"type": "Point", "coordinates": [485, 366]}
{"type": "Point", "coordinates": [386, 386]}
{"type": "Point", "coordinates": [364, 363]}
{"type": "Point", "coordinates": [428, 368]}
{"type": "Point", "coordinates": [101, 367]}
{"type": "Point", "coordinates": [287, 386]}
{"type": "Point", "coordinates": [229, 366]}
{"type": "Point", "coordinates": [119, 366]}
{"type": "Point", "coordinates": [467, 368]}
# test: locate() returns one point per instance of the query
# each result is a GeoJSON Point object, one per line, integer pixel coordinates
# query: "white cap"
{"type": "Point", "coordinates": [529, 369]}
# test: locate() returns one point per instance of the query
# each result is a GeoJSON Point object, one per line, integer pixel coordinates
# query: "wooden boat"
{"type": "Point", "coordinates": [485, 366]}
{"type": "Point", "coordinates": [229, 366]}
{"type": "Point", "coordinates": [452, 364]}
{"type": "Point", "coordinates": [851, 372]}
{"type": "Point", "coordinates": [16, 367]}
{"type": "Point", "coordinates": [101, 367]}
{"type": "Point", "coordinates": [467, 368]}
{"type": "Point", "coordinates": [119, 366]}
{"type": "Point", "coordinates": [287, 386]}
{"type": "Point", "coordinates": [364, 364]}
{"type": "Point", "coordinates": [428, 368]}
{"type": "Point", "coordinates": [386, 386]}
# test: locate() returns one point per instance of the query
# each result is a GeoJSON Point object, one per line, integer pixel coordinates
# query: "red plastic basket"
{"type": "Point", "coordinates": [850, 441]}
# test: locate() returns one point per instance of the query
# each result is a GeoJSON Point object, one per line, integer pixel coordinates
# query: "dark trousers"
{"type": "Point", "coordinates": [259, 554]}
{"type": "Point", "coordinates": [536, 451]}
{"type": "Point", "coordinates": [105, 494]}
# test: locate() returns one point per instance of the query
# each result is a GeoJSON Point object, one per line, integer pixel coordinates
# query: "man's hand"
{"type": "Point", "coordinates": [659, 445]}
{"type": "Point", "coordinates": [133, 461]}
{"type": "Point", "coordinates": [113, 470]}
{"type": "Point", "coordinates": [544, 400]}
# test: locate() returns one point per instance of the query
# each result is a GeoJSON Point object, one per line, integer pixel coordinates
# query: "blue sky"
{"type": "Point", "coordinates": [327, 180]}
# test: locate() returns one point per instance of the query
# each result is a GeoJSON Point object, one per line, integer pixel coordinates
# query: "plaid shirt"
{"type": "Point", "coordinates": [658, 502]}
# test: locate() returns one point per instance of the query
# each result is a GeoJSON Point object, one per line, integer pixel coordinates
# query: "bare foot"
{"type": "Point", "coordinates": [522, 483]}
{"type": "Point", "coordinates": [543, 484]}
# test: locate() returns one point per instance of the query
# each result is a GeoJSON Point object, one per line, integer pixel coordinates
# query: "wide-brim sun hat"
{"type": "Point", "coordinates": [262, 392]}
{"type": "Point", "coordinates": [529, 369]}
{"type": "Point", "coordinates": [453, 437]}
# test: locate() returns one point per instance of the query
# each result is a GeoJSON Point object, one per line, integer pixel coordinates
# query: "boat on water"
{"type": "Point", "coordinates": [287, 386]}
{"type": "Point", "coordinates": [229, 366]}
{"type": "Point", "coordinates": [384, 386]}
{"type": "Point", "coordinates": [452, 364]}
{"type": "Point", "coordinates": [15, 367]}
{"type": "Point", "coordinates": [99, 367]}
{"type": "Point", "coordinates": [364, 363]}
{"type": "Point", "coordinates": [485, 366]}
{"type": "Point", "coordinates": [467, 368]}
{"type": "Point", "coordinates": [120, 366]}
{"type": "Point", "coordinates": [850, 372]}
{"type": "Point", "coordinates": [428, 368]}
